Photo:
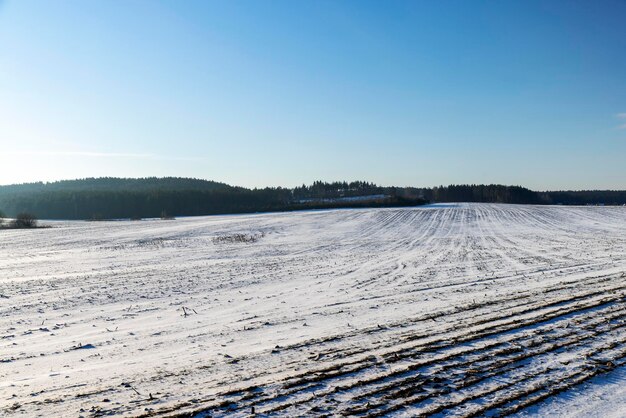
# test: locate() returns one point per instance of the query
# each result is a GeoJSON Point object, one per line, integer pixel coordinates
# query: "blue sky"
{"type": "Point", "coordinates": [258, 93]}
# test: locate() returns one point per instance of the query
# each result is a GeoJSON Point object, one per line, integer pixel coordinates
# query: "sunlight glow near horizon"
{"type": "Point", "coordinates": [283, 93]}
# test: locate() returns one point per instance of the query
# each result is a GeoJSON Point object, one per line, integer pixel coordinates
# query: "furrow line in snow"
{"type": "Point", "coordinates": [344, 369]}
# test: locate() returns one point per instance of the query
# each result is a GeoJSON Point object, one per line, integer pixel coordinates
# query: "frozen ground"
{"type": "Point", "coordinates": [456, 311]}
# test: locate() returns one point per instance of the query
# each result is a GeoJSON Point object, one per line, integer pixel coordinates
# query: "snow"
{"type": "Point", "coordinates": [446, 310]}
{"type": "Point", "coordinates": [602, 397]}
{"type": "Point", "coordinates": [347, 198]}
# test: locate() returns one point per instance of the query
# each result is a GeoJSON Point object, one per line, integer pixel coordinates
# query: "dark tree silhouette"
{"type": "Point", "coordinates": [25, 220]}
{"type": "Point", "coordinates": [114, 198]}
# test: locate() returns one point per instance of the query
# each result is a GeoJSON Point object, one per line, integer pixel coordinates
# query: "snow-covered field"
{"type": "Point", "coordinates": [457, 310]}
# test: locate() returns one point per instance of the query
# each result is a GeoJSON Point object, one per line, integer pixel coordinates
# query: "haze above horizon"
{"type": "Point", "coordinates": [280, 93]}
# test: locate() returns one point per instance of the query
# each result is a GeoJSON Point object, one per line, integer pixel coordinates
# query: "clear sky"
{"type": "Point", "coordinates": [257, 93]}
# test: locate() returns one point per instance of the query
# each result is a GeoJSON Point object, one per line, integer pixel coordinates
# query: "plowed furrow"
{"type": "Point", "coordinates": [319, 381]}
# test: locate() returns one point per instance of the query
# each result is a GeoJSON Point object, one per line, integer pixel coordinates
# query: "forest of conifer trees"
{"type": "Point", "coordinates": [114, 198]}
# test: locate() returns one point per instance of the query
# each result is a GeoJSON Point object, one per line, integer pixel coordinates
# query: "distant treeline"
{"type": "Point", "coordinates": [492, 193]}
{"type": "Point", "coordinates": [337, 189]}
{"type": "Point", "coordinates": [495, 193]}
{"type": "Point", "coordinates": [114, 198]}
{"type": "Point", "coordinates": [585, 197]}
